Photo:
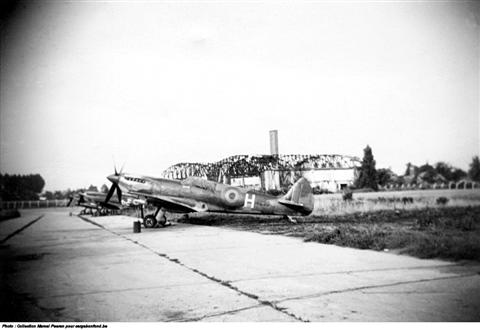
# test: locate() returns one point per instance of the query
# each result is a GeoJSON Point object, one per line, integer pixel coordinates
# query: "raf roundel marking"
{"type": "Point", "coordinates": [231, 195]}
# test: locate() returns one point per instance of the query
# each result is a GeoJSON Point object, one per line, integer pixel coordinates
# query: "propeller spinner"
{"type": "Point", "coordinates": [114, 178]}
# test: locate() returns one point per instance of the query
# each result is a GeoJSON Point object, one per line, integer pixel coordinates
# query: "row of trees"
{"type": "Point", "coordinates": [441, 172]}
{"type": "Point", "coordinates": [29, 187]}
{"type": "Point", "coordinates": [20, 187]}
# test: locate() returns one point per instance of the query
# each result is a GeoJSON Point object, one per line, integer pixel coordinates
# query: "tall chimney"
{"type": "Point", "coordinates": [274, 142]}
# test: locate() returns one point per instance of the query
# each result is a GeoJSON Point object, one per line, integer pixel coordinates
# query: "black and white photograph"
{"type": "Point", "coordinates": [239, 162]}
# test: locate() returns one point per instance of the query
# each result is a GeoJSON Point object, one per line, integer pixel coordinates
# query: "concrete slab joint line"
{"type": "Point", "coordinates": [200, 318]}
{"type": "Point", "coordinates": [348, 272]}
{"type": "Point", "coordinates": [211, 278]}
{"type": "Point", "coordinates": [316, 295]}
{"type": "Point", "coordinates": [18, 231]}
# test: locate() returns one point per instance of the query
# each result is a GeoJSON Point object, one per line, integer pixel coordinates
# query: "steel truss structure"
{"type": "Point", "coordinates": [249, 166]}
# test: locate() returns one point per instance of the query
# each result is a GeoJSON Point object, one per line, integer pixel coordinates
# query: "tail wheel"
{"type": "Point", "coordinates": [149, 221]}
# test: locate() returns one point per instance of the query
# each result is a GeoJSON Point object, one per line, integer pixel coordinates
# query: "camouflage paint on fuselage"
{"type": "Point", "coordinates": [197, 194]}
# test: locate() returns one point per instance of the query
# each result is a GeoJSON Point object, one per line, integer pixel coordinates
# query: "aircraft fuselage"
{"type": "Point", "coordinates": [196, 194]}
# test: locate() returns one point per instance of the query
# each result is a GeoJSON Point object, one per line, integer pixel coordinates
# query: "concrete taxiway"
{"type": "Point", "coordinates": [57, 267]}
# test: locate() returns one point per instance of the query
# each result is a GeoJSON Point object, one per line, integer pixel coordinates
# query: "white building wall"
{"type": "Point", "coordinates": [253, 181]}
{"type": "Point", "coordinates": [272, 180]}
{"type": "Point", "coordinates": [330, 179]}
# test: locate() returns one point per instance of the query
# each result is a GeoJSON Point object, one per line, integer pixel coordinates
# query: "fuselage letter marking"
{"type": "Point", "coordinates": [249, 201]}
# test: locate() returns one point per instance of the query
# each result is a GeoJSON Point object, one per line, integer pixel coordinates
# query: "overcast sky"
{"type": "Point", "coordinates": [157, 83]}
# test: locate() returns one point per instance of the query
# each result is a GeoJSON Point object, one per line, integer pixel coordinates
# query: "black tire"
{"type": "Point", "coordinates": [149, 221]}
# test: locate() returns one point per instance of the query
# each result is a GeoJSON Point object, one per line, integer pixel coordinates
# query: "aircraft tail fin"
{"type": "Point", "coordinates": [299, 197]}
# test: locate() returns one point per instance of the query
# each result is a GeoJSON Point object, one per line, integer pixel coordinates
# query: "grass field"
{"type": "Point", "coordinates": [380, 221]}
{"type": "Point", "coordinates": [394, 200]}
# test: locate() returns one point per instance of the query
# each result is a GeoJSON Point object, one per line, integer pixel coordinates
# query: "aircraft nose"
{"type": "Point", "coordinates": [113, 178]}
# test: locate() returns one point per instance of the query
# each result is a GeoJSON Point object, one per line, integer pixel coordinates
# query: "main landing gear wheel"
{"type": "Point", "coordinates": [149, 221]}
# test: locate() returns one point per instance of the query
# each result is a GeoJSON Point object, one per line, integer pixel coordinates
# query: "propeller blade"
{"type": "Point", "coordinates": [119, 193]}
{"type": "Point", "coordinates": [110, 193]}
{"type": "Point", "coordinates": [70, 201]}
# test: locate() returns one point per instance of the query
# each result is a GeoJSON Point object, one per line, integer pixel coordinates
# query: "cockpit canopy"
{"type": "Point", "coordinates": [199, 183]}
{"type": "Point", "coordinates": [133, 179]}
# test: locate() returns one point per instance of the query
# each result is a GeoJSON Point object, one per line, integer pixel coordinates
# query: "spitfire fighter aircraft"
{"type": "Point", "coordinates": [94, 202]}
{"type": "Point", "coordinates": [195, 194]}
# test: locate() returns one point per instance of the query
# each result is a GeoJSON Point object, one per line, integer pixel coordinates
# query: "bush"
{"type": "Point", "coordinates": [407, 200]}
{"type": "Point", "coordinates": [347, 195]}
{"type": "Point", "coordinates": [442, 200]}
{"type": "Point", "coordinates": [319, 191]}
{"type": "Point", "coordinates": [9, 214]}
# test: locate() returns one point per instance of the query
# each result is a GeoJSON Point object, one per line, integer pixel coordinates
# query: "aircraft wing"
{"type": "Point", "coordinates": [111, 206]}
{"type": "Point", "coordinates": [173, 203]}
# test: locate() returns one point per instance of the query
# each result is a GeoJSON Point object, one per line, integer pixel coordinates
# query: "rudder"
{"type": "Point", "coordinates": [299, 197]}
